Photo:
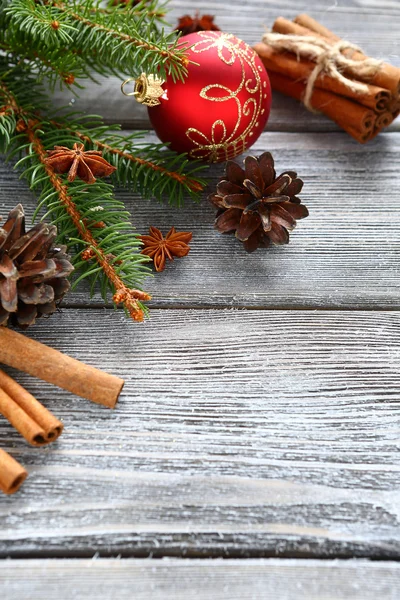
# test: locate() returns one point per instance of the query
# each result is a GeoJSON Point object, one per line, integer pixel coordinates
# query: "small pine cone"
{"type": "Point", "coordinates": [33, 272]}
{"type": "Point", "coordinates": [256, 205]}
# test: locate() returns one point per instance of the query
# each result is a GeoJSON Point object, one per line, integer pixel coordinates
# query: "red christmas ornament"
{"type": "Point", "coordinates": [222, 107]}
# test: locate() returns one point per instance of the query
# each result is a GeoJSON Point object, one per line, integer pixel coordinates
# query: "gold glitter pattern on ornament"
{"type": "Point", "coordinates": [221, 145]}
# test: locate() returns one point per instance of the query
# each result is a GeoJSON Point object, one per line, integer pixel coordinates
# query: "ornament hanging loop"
{"type": "Point", "coordinates": [148, 89]}
{"type": "Point", "coordinates": [123, 84]}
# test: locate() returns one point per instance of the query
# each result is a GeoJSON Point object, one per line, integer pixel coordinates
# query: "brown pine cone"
{"type": "Point", "coordinates": [33, 272]}
{"type": "Point", "coordinates": [257, 206]}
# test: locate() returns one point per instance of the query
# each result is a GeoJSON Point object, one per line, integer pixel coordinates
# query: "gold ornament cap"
{"type": "Point", "coordinates": [148, 89]}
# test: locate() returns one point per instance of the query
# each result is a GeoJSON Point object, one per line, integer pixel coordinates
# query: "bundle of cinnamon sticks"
{"type": "Point", "coordinates": [361, 110]}
{"type": "Point", "coordinates": [28, 416]}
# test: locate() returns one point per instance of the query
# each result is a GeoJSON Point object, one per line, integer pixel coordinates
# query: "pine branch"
{"type": "Point", "coordinates": [59, 40]}
{"type": "Point", "coordinates": [190, 183]}
{"type": "Point", "coordinates": [147, 9]}
{"type": "Point", "coordinates": [118, 150]}
{"type": "Point", "coordinates": [151, 50]}
{"type": "Point", "coordinates": [127, 296]}
{"type": "Point", "coordinates": [62, 70]}
{"type": "Point", "coordinates": [74, 208]}
{"type": "Point", "coordinates": [10, 100]}
{"type": "Point", "coordinates": [107, 41]}
{"type": "Point", "coordinates": [52, 26]}
{"type": "Point", "coordinates": [149, 169]}
{"type": "Point", "coordinates": [20, 87]}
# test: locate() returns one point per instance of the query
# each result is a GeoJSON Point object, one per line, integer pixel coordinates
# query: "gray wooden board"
{"type": "Point", "coordinates": [177, 579]}
{"type": "Point", "coordinates": [355, 20]}
{"type": "Point", "coordinates": [345, 254]}
{"type": "Point", "coordinates": [238, 433]}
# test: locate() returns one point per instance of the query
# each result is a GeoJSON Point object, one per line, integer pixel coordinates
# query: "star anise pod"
{"type": "Point", "coordinates": [86, 164]}
{"type": "Point", "coordinates": [188, 24]}
{"type": "Point", "coordinates": [256, 205]}
{"type": "Point", "coordinates": [159, 248]}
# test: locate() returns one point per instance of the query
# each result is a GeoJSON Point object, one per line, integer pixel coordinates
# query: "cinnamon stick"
{"type": "Point", "coordinates": [357, 120]}
{"type": "Point", "coordinates": [383, 95]}
{"type": "Point", "coordinates": [287, 64]}
{"type": "Point", "coordinates": [282, 25]}
{"type": "Point", "coordinates": [309, 23]}
{"type": "Point", "coordinates": [25, 354]}
{"type": "Point", "coordinates": [387, 76]}
{"type": "Point", "coordinates": [384, 120]}
{"type": "Point", "coordinates": [366, 137]}
{"type": "Point", "coordinates": [27, 427]}
{"type": "Point", "coordinates": [12, 474]}
{"type": "Point", "coordinates": [50, 425]}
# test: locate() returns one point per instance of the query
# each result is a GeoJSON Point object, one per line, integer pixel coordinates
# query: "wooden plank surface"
{"type": "Point", "coordinates": [198, 580]}
{"type": "Point", "coordinates": [344, 255]}
{"type": "Point", "coordinates": [354, 20]}
{"type": "Point", "coordinates": [238, 433]}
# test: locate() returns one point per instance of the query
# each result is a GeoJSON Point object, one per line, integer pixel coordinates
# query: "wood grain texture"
{"type": "Point", "coordinates": [172, 579]}
{"type": "Point", "coordinates": [344, 255]}
{"type": "Point", "coordinates": [353, 20]}
{"type": "Point", "coordinates": [238, 433]}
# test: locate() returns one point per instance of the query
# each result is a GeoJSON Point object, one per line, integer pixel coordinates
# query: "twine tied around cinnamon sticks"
{"type": "Point", "coordinates": [335, 77]}
{"type": "Point", "coordinates": [328, 59]}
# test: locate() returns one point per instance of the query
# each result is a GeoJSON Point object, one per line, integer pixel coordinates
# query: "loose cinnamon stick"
{"type": "Point", "coordinates": [12, 474]}
{"type": "Point", "coordinates": [287, 64]}
{"type": "Point", "coordinates": [51, 426]}
{"type": "Point", "coordinates": [387, 76]}
{"type": "Point", "coordinates": [27, 427]}
{"type": "Point", "coordinates": [25, 354]}
{"type": "Point", "coordinates": [350, 116]}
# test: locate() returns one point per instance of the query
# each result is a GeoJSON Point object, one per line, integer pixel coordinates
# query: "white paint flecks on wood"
{"type": "Point", "coordinates": [174, 579]}
{"type": "Point", "coordinates": [237, 433]}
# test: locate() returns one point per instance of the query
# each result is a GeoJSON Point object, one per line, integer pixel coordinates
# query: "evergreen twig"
{"type": "Point", "coordinates": [191, 183]}
{"type": "Point", "coordinates": [127, 296]}
{"type": "Point", "coordinates": [65, 41]}
{"type": "Point", "coordinates": [107, 242]}
{"type": "Point", "coordinates": [112, 41]}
